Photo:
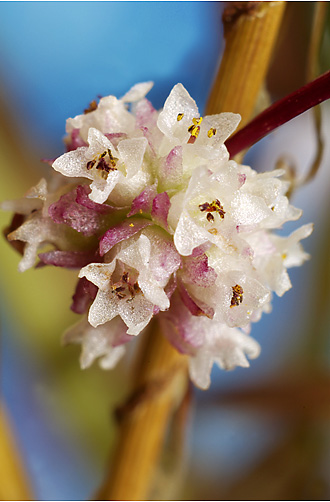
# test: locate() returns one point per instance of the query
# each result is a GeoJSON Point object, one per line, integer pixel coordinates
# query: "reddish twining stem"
{"type": "Point", "coordinates": [279, 113]}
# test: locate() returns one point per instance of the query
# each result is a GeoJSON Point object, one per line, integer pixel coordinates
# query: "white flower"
{"type": "Point", "coordinates": [132, 284]}
{"type": "Point", "coordinates": [34, 200]}
{"type": "Point", "coordinates": [227, 347]}
{"type": "Point", "coordinates": [102, 163]}
{"type": "Point", "coordinates": [274, 254]}
{"type": "Point", "coordinates": [104, 342]}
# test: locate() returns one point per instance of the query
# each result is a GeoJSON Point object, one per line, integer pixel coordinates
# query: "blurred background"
{"type": "Point", "coordinates": [257, 433]}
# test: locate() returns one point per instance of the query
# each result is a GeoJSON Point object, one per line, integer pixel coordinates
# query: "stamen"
{"type": "Point", "coordinates": [211, 132]}
{"type": "Point", "coordinates": [194, 129]}
{"type": "Point", "coordinates": [180, 116]}
{"type": "Point", "coordinates": [124, 289]}
{"type": "Point", "coordinates": [102, 165]}
{"type": "Point", "coordinates": [237, 297]}
{"type": "Point", "coordinates": [91, 107]}
{"type": "Point", "coordinates": [215, 206]}
{"type": "Point", "coordinates": [91, 164]}
{"type": "Point", "coordinates": [197, 121]}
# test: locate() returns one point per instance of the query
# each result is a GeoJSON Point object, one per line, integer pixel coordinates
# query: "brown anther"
{"type": "Point", "coordinates": [180, 117]}
{"type": "Point", "coordinates": [210, 217]}
{"type": "Point", "coordinates": [211, 132]}
{"type": "Point", "coordinates": [237, 297]}
{"type": "Point", "coordinates": [103, 165]}
{"type": "Point", "coordinates": [212, 207]}
{"type": "Point", "coordinates": [91, 164]}
{"type": "Point", "coordinates": [213, 231]}
{"type": "Point", "coordinates": [91, 107]}
{"type": "Point", "coordinates": [113, 160]}
{"type": "Point", "coordinates": [136, 287]}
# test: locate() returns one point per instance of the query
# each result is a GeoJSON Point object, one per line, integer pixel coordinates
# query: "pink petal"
{"type": "Point", "coordinates": [115, 137]}
{"type": "Point", "coordinates": [84, 295]}
{"type": "Point", "coordinates": [160, 208]}
{"type": "Point", "coordinates": [68, 259]}
{"type": "Point", "coordinates": [143, 202]}
{"type": "Point", "coordinates": [82, 198]}
{"type": "Point", "coordinates": [179, 327]}
{"type": "Point", "coordinates": [121, 232]}
{"type": "Point", "coordinates": [190, 303]}
{"type": "Point", "coordinates": [172, 167]}
{"type": "Point", "coordinates": [75, 141]}
{"type": "Point", "coordinates": [76, 210]}
{"type": "Point", "coordinates": [197, 271]}
{"type": "Point", "coordinates": [145, 114]}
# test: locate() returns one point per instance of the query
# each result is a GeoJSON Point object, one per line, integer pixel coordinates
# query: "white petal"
{"type": "Point", "coordinates": [131, 153]}
{"type": "Point", "coordinates": [98, 273]}
{"type": "Point", "coordinates": [101, 188]}
{"type": "Point", "coordinates": [137, 92]}
{"type": "Point", "coordinates": [73, 164]}
{"type": "Point", "coordinates": [103, 309]}
{"type": "Point", "coordinates": [179, 101]}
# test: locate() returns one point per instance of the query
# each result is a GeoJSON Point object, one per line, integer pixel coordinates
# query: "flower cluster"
{"type": "Point", "coordinates": [158, 220]}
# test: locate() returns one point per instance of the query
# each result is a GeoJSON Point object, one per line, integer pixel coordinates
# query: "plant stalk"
{"type": "Point", "coordinates": [250, 29]}
{"type": "Point", "coordinates": [280, 112]}
{"type": "Point", "coordinates": [160, 385]}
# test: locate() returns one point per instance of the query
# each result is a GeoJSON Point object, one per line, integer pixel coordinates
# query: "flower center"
{"type": "Point", "coordinates": [237, 297]}
{"type": "Point", "coordinates": [213, 207]}
{"type": "Point", "coordinates": [194, 129]}
{"type": "Point", "coordinates": [125, 288]}
{"type": "Point", "coordinates": [102, 165]}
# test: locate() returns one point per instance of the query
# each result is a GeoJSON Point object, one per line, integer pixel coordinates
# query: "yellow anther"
{"type": "Point", "coordinates": [237, 297]}
{"type": "Point", "coordinates": [131, 224]}
{"type": "Point", "coordinates": [213, 231]}
{"type": "Point", "coordinates": [211, 132]}
{"type": "Point", "coordinates": [197, 121]}
{"type": "Point", "coordinates": [194, 130]}
{"type": "Point", "coordinates": [179, 117]}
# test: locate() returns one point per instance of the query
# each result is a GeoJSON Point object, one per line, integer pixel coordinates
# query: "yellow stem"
{"type": "Point", "coordinates": [251, 29]}
{"type": "Point", "coordinates": [160, 384]}
{"type": "Point", "coordinates": [13, 482]}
